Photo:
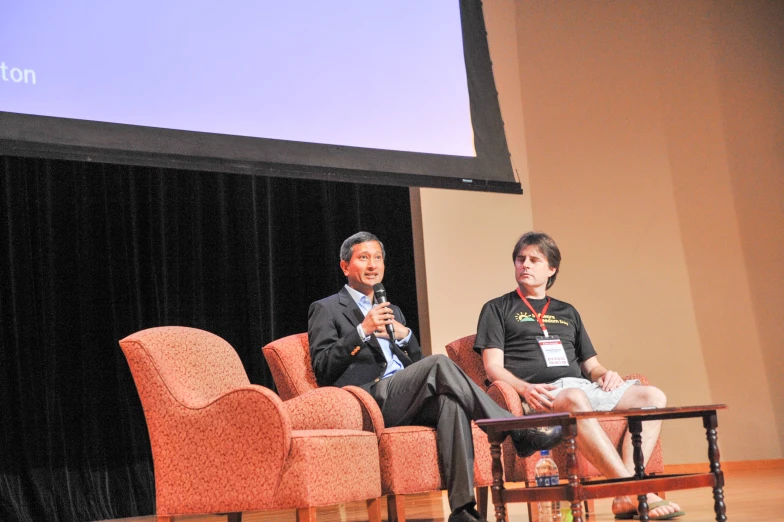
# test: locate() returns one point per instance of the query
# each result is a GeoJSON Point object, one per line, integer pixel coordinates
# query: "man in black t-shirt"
{"type": "Point", "coordinates": [506, 323]}
{"type": "Point", "coordinates": [540, 346]}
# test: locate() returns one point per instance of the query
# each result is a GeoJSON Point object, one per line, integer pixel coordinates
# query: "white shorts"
{"type": "Point", "coordinates": [600, 400]}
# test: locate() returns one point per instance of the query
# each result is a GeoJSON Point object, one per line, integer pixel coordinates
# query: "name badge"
{"type": "Point", "coordinates": [553, 350]}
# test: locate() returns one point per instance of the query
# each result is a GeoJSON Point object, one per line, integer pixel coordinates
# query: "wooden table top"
{"type": "Point", "coordinates": [561, 419]}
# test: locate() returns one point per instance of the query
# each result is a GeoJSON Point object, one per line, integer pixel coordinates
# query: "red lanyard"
{"type": "Point", "coordinates": [538, 316]}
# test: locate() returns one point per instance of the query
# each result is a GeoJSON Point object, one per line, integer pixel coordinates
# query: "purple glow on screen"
{"type": "Point", "coordinates": [387, 75]}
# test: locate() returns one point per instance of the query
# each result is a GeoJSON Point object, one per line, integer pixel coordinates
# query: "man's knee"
{"type": "Point", "coordinates": [572, 399]}
{"type": "Point", "coordinates": [642, 396]}
{"type": "Point", "coordinates": [655, 396]}
{"type": "Point", "coordinates": [433, 361]}
{"type": "Point", "coordinates": [443, 362]}
{"type": "Point", "coordinates": [440, 358]}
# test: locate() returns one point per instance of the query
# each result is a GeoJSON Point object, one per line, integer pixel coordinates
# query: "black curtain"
{"type": "Point", "coordinates": [90, 253]}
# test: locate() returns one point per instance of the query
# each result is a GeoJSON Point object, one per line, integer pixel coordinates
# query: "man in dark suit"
{"type": "Point", "coordinates": [349, 345]}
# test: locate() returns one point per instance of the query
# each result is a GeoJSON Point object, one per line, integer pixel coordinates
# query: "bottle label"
{"type": "Point", "coordinates": [547, 481]}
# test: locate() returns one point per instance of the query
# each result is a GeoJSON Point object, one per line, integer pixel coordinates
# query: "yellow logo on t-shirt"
{"type": "Point", "coordinates": [522, 317]}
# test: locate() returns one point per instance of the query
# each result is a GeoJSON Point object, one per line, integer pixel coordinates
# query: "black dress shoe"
{"type": "Point", "coordinates": [529, 441]}
{"type": "Point", "coordinates": [466, 514]}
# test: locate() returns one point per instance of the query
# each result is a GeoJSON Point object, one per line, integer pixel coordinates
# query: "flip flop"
{"type": "Point", "coordinates": [633, 515]}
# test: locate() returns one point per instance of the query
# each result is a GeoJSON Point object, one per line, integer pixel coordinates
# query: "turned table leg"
{"type": "Point", "coordinates": [498, 479]}
{"type": "Point", "coordinates": [572, 471]}
{"type": "Point", "coordinates": [635, 429]}
{"type": "Point", "coordinates": [711, 422]}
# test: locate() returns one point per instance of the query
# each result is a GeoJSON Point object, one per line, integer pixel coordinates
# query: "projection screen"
{"type": "Point", "coordinates": [388, 92]}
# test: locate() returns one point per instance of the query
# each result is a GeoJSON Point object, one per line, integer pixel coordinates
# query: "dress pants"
{"type": "Point", "coordinates": [436, 392]}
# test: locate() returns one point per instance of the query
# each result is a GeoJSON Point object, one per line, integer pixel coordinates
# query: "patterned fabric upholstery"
{"type": "Point", "coordinates": [409, 460]}
{"type": "Point", "coordinates": [326, 467]}
{"type": "Point", "coordinates": [289, 361]}
{"type": "Point", "coordinates": [325, 408]}
{"type": "Point", "coordinates": [517, 469]}
{"type": "Point", "coordinates": [467, 359]}
{"type": "Point", "coordinates": [372, 419]}
{"type": "Point", "coordinates": [220, 444]}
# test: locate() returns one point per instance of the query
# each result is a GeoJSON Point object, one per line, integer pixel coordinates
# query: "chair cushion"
{"type": "Point", "coordinates": [483, 461]}
{"type": "Point", "coordinates": [326, 467]}
{"type": "Point", "coordinates": [409, 460]}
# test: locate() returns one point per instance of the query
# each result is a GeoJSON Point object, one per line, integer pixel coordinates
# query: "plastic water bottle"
{"type": "Point", "coordinates": [547, 475]}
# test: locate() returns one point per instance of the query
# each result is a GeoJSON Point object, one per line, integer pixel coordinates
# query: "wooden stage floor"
{"type": "Point", "coordinates": [750, 496]}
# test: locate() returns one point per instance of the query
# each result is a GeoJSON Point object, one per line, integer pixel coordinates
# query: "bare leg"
{"type": "Point", "coordinates": [594, 444]}
{"type": "Point", "coordinates": [592, 441]}
{"type": "Point", "coordinates": [639, 397]}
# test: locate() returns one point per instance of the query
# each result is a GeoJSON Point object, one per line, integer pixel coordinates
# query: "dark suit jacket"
{"type": "Point", "coordinates": [339, 355]}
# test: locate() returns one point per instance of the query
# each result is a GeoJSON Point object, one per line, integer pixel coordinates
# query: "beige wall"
{"type": "Point", "coordinates": [648, 139]}
{"type": "Point", "coordinates": [749, 47]}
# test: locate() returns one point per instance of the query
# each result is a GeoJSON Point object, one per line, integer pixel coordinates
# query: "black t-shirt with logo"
{"type": "Point", "coordinates": [506, 323]}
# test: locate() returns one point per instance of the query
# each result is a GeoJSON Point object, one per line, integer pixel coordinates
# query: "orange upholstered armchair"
{"type": "Point", "coordinates": [518, 469]}
{"type": "Point", "coordinates": [409, 460]}
{"type": "Point", "coordinates": [223, 445]}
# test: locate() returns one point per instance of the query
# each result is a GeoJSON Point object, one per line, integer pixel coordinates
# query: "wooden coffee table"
{"type": "Point", "coordinates": [640, 484]}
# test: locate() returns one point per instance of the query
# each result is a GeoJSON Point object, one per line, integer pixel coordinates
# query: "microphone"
{"type": "Point", "coordinates": [381, 297]}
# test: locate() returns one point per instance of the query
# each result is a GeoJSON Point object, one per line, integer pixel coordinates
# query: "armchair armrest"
{"type": "Point", "coordinates": [506, 397]}
{"type": "Point", "coordinates": [643, 379]}
{"type": "Point", "coordinates": [238, 442]}
{"type": "Point", "coordinates": [372, 419]}
{"type": "Point", "coordinates": [325, 408]}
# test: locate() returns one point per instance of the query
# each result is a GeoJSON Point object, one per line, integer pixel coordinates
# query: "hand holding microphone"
{"type": "Point", "coordinates": [380, 320]}
{"type": "Point", "coordinates": [381, 297]}
{"type": "Point", "coordinates": [376, 320]}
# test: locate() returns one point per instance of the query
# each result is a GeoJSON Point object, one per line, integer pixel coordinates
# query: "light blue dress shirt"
{"type": "Point", "coordinates": [393, 363]}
